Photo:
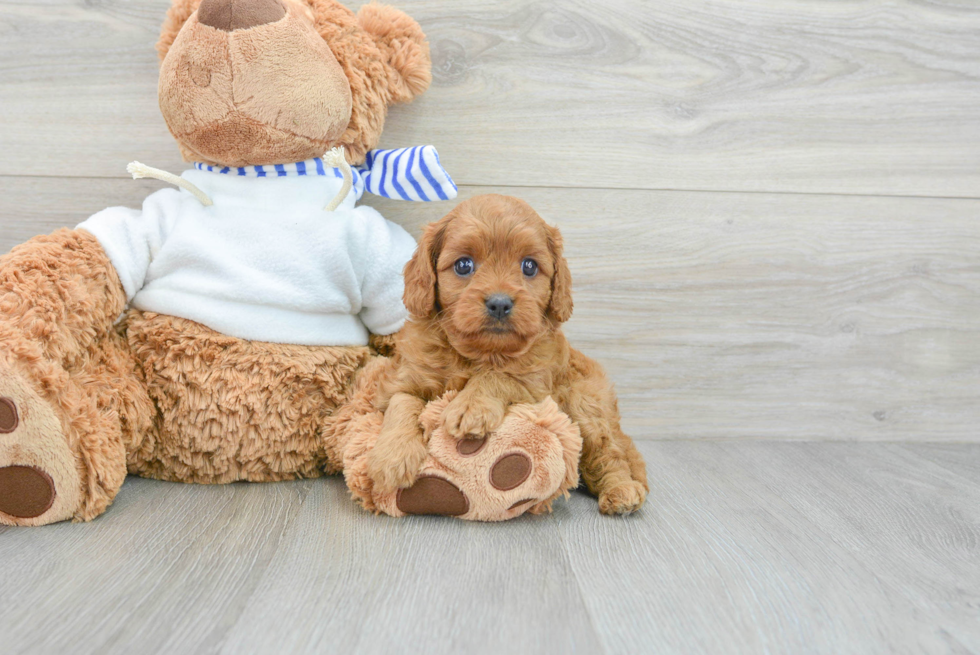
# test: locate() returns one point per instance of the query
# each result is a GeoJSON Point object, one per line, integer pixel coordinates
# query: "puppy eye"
{"type": "Point", "coordinates": [529, 267]}
{"type": "Point", "coordinates": [463, 266]}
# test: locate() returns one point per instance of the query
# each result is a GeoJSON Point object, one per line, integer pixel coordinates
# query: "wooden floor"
{"type": "Point", "coordinates": [772, 216]}
{"type": "Point", "coordinates": [744, 547]}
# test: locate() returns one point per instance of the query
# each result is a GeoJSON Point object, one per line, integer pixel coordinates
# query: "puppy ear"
{"type": "Point", "coordinates": [401, 40]}
{"type": "Point", "coordinates": [560, 305]}
{"type": "Point", "coordinates": [420, 272]}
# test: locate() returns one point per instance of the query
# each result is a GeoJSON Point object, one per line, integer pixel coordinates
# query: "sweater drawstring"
{"type": "Point", "coordinates": [335, 158]}
{"type": "Point", "coordinates": [139, 171]}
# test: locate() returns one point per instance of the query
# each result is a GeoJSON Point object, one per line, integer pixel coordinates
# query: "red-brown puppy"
{"type": "Point", "coordinates": [488, 290]}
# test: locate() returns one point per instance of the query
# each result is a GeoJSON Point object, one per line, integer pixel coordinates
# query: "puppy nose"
{"type": "Point", "coordinates": [499, 305]}
{"type": "Point", "coordinates": [230, 15]}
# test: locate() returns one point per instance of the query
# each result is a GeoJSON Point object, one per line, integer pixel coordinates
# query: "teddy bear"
{"type": "Point", "coordinates": [234, 328]}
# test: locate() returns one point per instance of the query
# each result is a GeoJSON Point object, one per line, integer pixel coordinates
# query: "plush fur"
{"type": "Point", "coordinates": [230, 409]}
{"type": "Point", "coordinates": [165, 397]}
{"type": "Point", "coordinates": [381, 52]}
{"type": "Point", "coordinates": [96, 392]}
{"type": "Point", "coordinates": [539, 431]}
{"type": "Point", "coordinates": [452, 343]}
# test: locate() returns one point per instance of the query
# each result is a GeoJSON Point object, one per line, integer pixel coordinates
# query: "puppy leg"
{"type": "Point", "coordinates": [611, 467]}
{"type": "Point", "coordinates": [401, 448]}
{"type": "Point", "coordinates": [479, 408]}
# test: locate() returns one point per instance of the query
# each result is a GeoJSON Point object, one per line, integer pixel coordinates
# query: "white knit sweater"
{"type": "Point", "coordinates": [265, 262]}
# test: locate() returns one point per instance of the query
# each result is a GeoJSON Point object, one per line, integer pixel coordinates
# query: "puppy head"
{"type": "Point", "coordinates": [493, 275]}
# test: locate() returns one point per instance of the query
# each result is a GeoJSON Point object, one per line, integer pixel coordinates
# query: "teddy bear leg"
{"type": "Point", "coordinates": [70, 395]}
{"type": "Point", "coordinates": [40, 481]}
{"type": "Point", "coordinates": [523, 466]}
{"type": "Point", "coordinates": [530, 460]}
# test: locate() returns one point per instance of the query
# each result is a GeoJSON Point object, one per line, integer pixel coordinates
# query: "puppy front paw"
{"type": "Point", "coordinates": [474, 417]}
{"type": "Point", "coordinates": [395, 465]}
{"type": "Point", "coordinates": [623, 498]}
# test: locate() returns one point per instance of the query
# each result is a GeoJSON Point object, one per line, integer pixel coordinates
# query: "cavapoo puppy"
{"type": "Point", "coordinates": [488, 290]}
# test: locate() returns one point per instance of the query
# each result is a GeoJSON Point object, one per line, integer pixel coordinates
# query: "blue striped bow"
{"type": "Point", "coordinates": [401, 174]}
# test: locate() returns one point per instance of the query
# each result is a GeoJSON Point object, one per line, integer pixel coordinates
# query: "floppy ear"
{"type": "Point", "coordinates": [400, 38]}
{"type": "Point", "coordinates": [560, 305]}
{"type": "Point", "coordinates": [421, 297]}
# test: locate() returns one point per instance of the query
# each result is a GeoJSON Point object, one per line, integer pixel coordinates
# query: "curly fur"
{"type": "Point", "coordinates": [156, 395]}
{"type": "Point", "coordinates": [230, 409]}
{"type": "Point", "coordinates": [59, 298]}
{"type": "Point", "coordinates": [451, 343]}
{"type": "Point", "coordinates": [541, 431]}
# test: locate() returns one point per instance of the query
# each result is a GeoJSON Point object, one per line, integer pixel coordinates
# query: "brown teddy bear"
{"type": "Point", "coordinates": [212, 335]}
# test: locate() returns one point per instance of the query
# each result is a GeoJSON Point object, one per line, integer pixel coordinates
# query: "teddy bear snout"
{"type": "Point", "coordinates": [230, 15]}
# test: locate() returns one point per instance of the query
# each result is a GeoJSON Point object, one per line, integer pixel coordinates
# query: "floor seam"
{"type": "Point", "coordinates": [839, 194]}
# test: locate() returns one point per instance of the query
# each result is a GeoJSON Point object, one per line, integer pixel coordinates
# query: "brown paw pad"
{"type": "Point", "coordinates": [25, 492]}
{"type": "Point", "coordinates": [8, 416]}
{"type": "Point", "coordinates": [468, 447]}
{"type": "Point", "coordinates": [432, 495]}
{"type": "Point", "coordinates": [510, 471]}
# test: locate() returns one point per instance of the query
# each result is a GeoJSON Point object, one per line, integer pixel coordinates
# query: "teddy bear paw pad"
{"type": "Point", "coordinates": [469, 447]}
{"type": "Point", "coordinates": [25, 492]}
{"type": "Point", "coordinates": [39, 478]}
{"type": "Point", "coordinates": [8, 416]}
{"type": "Point", "coordinates": [510, 471]}
{"type": "Point", "coordinates": [433, 495]}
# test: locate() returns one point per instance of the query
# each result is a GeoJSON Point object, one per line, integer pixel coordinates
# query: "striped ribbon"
{"type": "Point", "coordinates": [402, 174]}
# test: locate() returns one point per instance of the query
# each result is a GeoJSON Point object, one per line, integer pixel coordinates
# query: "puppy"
{"type": "Point", "coordinates": [488, 290]}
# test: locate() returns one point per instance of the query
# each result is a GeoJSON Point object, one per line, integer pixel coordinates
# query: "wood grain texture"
{"type": "Point", "coordinates": [169, 565]}
{"type": "Point", "coordinates": [722, 315]}
{"type": "Point", "coordinates": [383, 585]}
{"type": "Point", "coordinates": [752, 547]}
{"type": "Point", "coordinates": [780, 547]}
{"type": "Point", "coordinates": [870, 98]}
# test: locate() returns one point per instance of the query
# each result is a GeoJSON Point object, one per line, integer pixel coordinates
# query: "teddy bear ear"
{"type": "Point", "coordinates": [403, 43]}
{"type": "Point", "coordinates": [177, 15]}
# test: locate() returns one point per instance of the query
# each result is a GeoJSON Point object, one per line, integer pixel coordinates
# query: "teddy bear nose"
{"type": "Point", "coordinates": [230, 15]}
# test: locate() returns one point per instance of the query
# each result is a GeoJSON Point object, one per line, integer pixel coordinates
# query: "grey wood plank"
{"type": "Point", "coordinates": [782, 547]}
{"type": "Point", "coordinates": [872, 98]}
{"type": "Point", "coordinates": [953, 457]}
{"type": "Point", "coordinates": [911, 523]}
{"type": "Point", "coordinates": [167, 569]}
{"type": "Point", "coordinates": [743, 547]}
{"type": "Point", "coordinates": [728, 315]}
{"type": "Point", "coordinates": [345, 581]}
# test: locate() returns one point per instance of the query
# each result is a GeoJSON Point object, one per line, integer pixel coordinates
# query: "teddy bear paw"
{"type": "Point", "coordinates": [433, 494]}
{"type": "Point", "coordinates": [521, 467]}
{"type": "Point", "coordinates": [39, 482]}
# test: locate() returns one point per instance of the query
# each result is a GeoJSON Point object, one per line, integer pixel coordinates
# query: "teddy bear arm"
{"type": "Point", "coordinates": [71, 400]}
{"type": "Point", "coordinates": [61, 292]}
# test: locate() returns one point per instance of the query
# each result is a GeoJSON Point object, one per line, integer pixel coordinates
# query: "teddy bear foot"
{"type": "Point", "coordinates": [436, 495]}
{"type": "Point", "coordinates": [523, 466]}
{"type": "Point", "coordinates": [39, 482]}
